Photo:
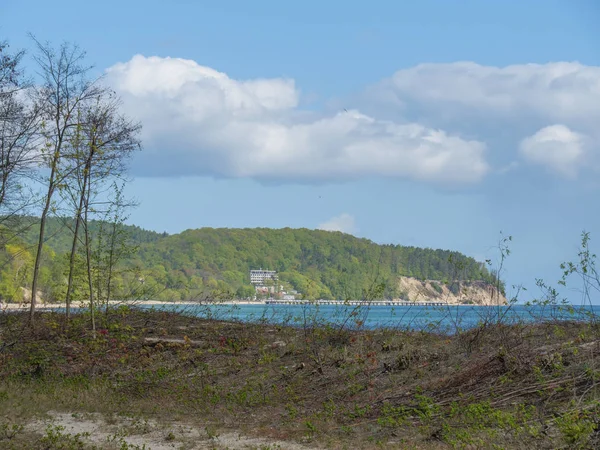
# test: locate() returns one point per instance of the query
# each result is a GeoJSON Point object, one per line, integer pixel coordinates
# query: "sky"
{"type": "Point", "coordinates": [433, 123]}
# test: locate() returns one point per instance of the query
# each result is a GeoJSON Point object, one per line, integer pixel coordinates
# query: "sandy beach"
{"type": "Point", "coordinates": [79, 304]}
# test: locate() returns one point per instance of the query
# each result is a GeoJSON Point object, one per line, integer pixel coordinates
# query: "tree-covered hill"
{"type": "Point", "coordinates": [59, 236]}
{"type": "Point", "coordinates": [18, 238]}
{"type": "Point", "coordinates": [319, 264]}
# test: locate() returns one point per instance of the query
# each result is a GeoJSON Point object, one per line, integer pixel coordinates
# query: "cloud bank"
{"type": "Point", "coordinates": [561, 96]}
{"type": "Point", "coordinates": [198, 121]}
{"type": "Point", "coordinates": [562, 92]}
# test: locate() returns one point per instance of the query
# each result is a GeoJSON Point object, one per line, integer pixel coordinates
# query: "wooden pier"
{"type": "Point", "coordinates": [353, 303]}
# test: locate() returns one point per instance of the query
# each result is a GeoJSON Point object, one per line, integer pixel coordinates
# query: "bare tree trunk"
{"type": "Point", "coordinates": [40, 245]}
{"type": "Point", "coordinates": [89, 261]}
{"type": "Point", "coordinates": [82, 196]}
{"type": "Point", "coordinates": [72, 259]}
{"type": "Point", "coordinates": [111, 255]}
{"type": "Point", "coordinates": [100, 268]}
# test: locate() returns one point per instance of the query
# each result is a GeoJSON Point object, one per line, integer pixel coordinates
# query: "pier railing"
{"type": "Point", "coordinates": [353, 302]}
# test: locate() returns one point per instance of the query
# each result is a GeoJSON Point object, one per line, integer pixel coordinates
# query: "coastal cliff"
{"type": "Point", "coordinates": [460, 292]}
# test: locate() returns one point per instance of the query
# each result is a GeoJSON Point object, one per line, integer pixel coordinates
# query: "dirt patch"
{"type": "Point", "coordinates": [131, 433]}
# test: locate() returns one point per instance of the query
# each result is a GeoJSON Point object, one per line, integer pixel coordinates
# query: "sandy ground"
{"type": "Point", "coordinates": [96, 430]}
{"type": "Point", "coordinates": [25, 306]}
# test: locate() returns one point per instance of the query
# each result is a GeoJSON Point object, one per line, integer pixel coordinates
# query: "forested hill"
{"type": "Point", "coordinates": [319, 264]}
{"type": "Point", "coordinates": [59, 238]}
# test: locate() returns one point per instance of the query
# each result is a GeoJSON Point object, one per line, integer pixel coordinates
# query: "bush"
{"type": "Point", "coordinates": [436, 287]}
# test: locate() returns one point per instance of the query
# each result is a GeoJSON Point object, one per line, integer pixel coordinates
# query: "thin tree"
{"type": "Point", "coordinates": [18, 132]}
{"type": "Point", "coordinates": [78, 200]}
{"type": "Point", "coordinates": [112, 244]}
{"type": "Point", "coordinates": [104, 142]}
{"type": "Point", "coordinates": [11, 75]}
{"type": "Point", "coordinates": [88, 256]}
{"type": "Point", "coordinates": [65, 88]}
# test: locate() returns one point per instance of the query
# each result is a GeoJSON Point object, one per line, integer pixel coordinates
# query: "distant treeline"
{"type": "Point", "coordinates": [207, 261]}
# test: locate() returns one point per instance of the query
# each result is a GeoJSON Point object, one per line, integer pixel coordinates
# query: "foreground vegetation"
{"type": "Point", "coordinates": [496, 386]}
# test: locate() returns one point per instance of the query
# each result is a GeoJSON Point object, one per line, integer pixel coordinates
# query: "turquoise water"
{"type": "Point", "coordinates": [447, 319]}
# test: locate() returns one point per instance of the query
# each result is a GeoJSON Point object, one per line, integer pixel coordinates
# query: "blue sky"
{"type": "Point", "coordinates": [430, 123]}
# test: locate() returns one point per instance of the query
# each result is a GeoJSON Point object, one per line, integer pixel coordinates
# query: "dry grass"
{"type": "Point", "coordinates": [519, 386]}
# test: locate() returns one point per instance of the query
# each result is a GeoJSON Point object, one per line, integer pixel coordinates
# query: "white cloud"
{"type": "Point", "coordinates": [556, 147]}
{"type": "Point", "coordinates": [198, 121]}
{"type": "Point", "coordinates": [175, 79]}
{"type": "Point", "coordinates": [561, 91]}
{"type": "Point", "coordinates": [344, 223]}
{"type": "Point", "coordinates": [517, 106]}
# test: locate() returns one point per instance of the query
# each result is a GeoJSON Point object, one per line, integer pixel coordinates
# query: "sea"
{"type": "Point", "coordinates": [446, 319]}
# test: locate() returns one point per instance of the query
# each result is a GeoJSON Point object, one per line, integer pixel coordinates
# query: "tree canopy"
{"type": "Point", "coordinates": [318, 264]}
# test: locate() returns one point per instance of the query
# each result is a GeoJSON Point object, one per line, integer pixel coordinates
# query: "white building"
{"type": "Point", "coordinates": [260, 276]}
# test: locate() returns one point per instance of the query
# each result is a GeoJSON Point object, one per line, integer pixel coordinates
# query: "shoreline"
{"type": "Point", "coordinates": [79, 304]}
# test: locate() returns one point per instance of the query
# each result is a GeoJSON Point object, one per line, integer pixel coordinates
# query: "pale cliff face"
{"type": "Point", "coordinates": [476, 293]}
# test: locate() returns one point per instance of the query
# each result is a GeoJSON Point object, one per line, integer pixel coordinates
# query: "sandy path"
{"type": "Point", "coordinates": [94, 429]}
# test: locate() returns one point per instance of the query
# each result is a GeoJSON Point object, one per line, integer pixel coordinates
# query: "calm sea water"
{"type": "Point", "coordinates": [446, 319]}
